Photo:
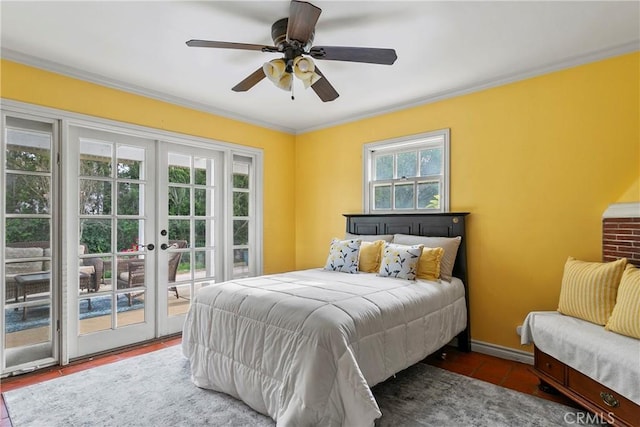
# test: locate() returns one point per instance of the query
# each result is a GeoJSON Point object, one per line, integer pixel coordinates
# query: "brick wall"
{"type": "Point", "coordinates": [621, 239]}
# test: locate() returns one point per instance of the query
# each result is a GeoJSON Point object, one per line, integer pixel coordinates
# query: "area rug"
{"type": "Point", "coordinates": [155, 390]}
{"type": "Point", "coordinates": [38, 316]}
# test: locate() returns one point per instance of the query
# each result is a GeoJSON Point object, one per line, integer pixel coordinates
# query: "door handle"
{"type": "Point", "coordinates": [164, 246]}
{"type": "Point", "coordinates": [149, 246]}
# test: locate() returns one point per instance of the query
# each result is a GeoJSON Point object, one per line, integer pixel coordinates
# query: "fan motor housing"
{"type": "Point", "coordinates": [279, 35]}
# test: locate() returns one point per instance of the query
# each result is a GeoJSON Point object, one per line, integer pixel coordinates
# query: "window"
{"type": "Point", "coordinates": [242, 222]}
{"type": "Point", "coordinates": [408, 174]}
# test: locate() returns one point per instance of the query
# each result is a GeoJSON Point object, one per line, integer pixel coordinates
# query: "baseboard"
{"type": "Point", "coordinates": [502, 352]}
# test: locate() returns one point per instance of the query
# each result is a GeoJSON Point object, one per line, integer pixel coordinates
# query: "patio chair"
{"type": "Point", "coordinates": [174, 262]}
{"type": "Point", "coordinates": [131, 275]}
{"type": "Point", "coordinates": [131, 272]}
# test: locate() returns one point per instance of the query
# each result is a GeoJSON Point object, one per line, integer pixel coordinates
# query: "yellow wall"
{"type": "Point", "coordinates": [22, 83]}
{"type": "Point", "coordinates": [536, 162]}
{"type": "Point", "coordinates": [633, 192]}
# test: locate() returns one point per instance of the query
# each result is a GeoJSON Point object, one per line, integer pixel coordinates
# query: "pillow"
{"type": "Point", "coordinates": [370, 237]}
{"type": "Point", "coordinates": [589, 289]}
{"type": "Point", "coordinates": [343, 256]}
{"type": "Point", "coordinates": [25, 267]}
{"type": "Point", "coordinates": [449, 244]}
{"type": "Point", "coordinates": [400, 261]}
{"type": "Point", "coordinates": [625, 318]}
{"type": "Point", "coordinates": [370, 254]}
{"type": "Point", "coordinates": [429, 264]}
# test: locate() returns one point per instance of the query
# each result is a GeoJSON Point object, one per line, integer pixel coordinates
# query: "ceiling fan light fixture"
{"type": "Point", "coordinates": [275, 71]}
{"type": "Point", "coordinates": [304, 69]}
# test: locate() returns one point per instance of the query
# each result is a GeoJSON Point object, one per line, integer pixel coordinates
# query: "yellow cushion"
{"type": "Point", "coordinates": [625, 318]}
{"type": "Point", "coordinates": [589, 289]}
{"type": "Point", "coordinates": [429, 264]}
{"type": "Point", "coordinates": [370, 253]}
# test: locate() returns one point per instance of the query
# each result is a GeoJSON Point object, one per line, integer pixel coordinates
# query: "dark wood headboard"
{"type": "Point", "coordinates": [449, 224]}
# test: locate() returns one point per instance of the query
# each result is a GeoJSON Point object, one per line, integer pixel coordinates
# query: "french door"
{"type": "Point", "coordinates": [108, 230]}
{"type": "Point", "coordinates": [189, 212]}
{"type": "Point", "coordinates": [147, 236]}
{"type": "Point", "coordinates": [111, 251]}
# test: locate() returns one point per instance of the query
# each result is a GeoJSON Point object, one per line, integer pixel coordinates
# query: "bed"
{"type": "Point", "coordinates": [305, 347]}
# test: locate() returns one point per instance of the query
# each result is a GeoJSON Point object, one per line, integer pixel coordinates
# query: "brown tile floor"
{"type": "Point", "coordinates": [505, 373]}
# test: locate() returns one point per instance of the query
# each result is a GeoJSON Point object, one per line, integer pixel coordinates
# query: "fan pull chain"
{"type": "Point", "coordinates": [292, 97]}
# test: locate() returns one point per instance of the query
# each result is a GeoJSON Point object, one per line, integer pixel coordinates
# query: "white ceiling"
{"type": "Point", "coordinates": [444, 48]}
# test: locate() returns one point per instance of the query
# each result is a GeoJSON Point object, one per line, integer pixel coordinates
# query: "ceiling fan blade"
{"type": "Point", "coordinates": [323, 88]}
{"type": "Point", "coordinates": [231, 45]}
{"type": "Point", "coordinates": [253, 79]}
{"type": "Point", "coordinates": [302, 21]}
{"type": "Point", "coordinates": [369, 55]}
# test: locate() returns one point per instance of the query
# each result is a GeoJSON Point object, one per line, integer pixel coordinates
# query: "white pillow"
{"type": "Point", "coordinates": [400, 261]}
{"type": "Point", "coordinates": [449, 244]}
{"type": "Point", "coordinates": [370, 237]}
{"type": "Point", "coordinates": [343, 255]}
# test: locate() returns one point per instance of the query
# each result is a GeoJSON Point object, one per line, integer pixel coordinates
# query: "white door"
{"type": "Point", "coordinates": [112, 245]}
{"type": "Point", "coordinates": [190, 228]}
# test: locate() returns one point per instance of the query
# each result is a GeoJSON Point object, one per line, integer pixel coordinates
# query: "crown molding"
{"type": "Point", "coordinates": [90, 77]}
{"type": "Point", "coordinates": [490, 83]}
{"type": "Point", "coordinates": [577, 60]}
{"type": "Point", "coordinates": [623, 210]}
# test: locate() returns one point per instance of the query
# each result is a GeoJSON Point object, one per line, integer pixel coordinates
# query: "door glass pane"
{"type": "Point", "coordinates": [95, 197]}
{"type": "Point", "coordinates": [200, 201]}
{"type": "Point", "coordinates": [95, 158]}
{"type": "Point", "coordinates": [202, 168]}
{"type": "Point", "coordinates": [179, 168]}
{"type": "Point", "coordinates": [95, 234]}
{"type": "Point", "coordinates": [130, 308]}
{"type": "Point", "coordinates": [179, 201]}
{"type": "Point", "coordinates": [95, 314]}
{"type": "Point", "coordinates": [27, 194]}
{"type": "Point", "coordinates": [240, 232]}
{"type": "Point", "coordinates": [130, 162]}
{"type": "Point", "coordinates": [240, 203]}
{"type": "Point", "coordinates": [240, 175]}
{"type": "Point", "coordinates": [27, 284]}
{"type": "Point", "coordinates": [130, 234]}
{"type": "Point", "coordinates": [28, 149]}
{"type": "Point", "coordinates": [180, 229]}
{"type": "Point", "coordinates": [129, 197]}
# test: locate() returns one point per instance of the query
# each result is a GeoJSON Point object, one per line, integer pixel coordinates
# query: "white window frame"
{"type": "Point", "coordinates": [438, 138]}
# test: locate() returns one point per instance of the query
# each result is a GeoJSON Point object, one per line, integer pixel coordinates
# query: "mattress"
{"type": "Point", "coordinates": [305, 347]}
{"type": "Point", "coordinates": [606, 357]}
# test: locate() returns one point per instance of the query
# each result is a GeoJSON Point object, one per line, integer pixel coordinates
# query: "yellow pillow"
{"type": "Point", "coordinates": [369, 261]}
{"type": "Point", "coordinates": [625, 318]}
{"type": "Point", "coordinates": [429, 264]}
{"type": "Point", "coordinates": [589, 289]}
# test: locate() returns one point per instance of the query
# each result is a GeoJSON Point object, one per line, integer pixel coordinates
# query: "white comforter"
{"type": "Point", "coordinates": [609, 358]}
{"type": "Point", "coordinates": [305, 347]}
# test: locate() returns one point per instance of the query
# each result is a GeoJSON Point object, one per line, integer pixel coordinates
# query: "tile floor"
{"type": "Point", "coordinates": [505, 373]}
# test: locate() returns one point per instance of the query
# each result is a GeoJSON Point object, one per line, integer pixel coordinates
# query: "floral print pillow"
{"type": "Point", "coordinates": [343, 255]}
{"type": "Point", "coordinates": [400, 261]}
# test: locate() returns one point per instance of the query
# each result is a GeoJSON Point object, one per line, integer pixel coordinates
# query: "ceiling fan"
{"type": "Point", "coordinates": [293, 37]}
